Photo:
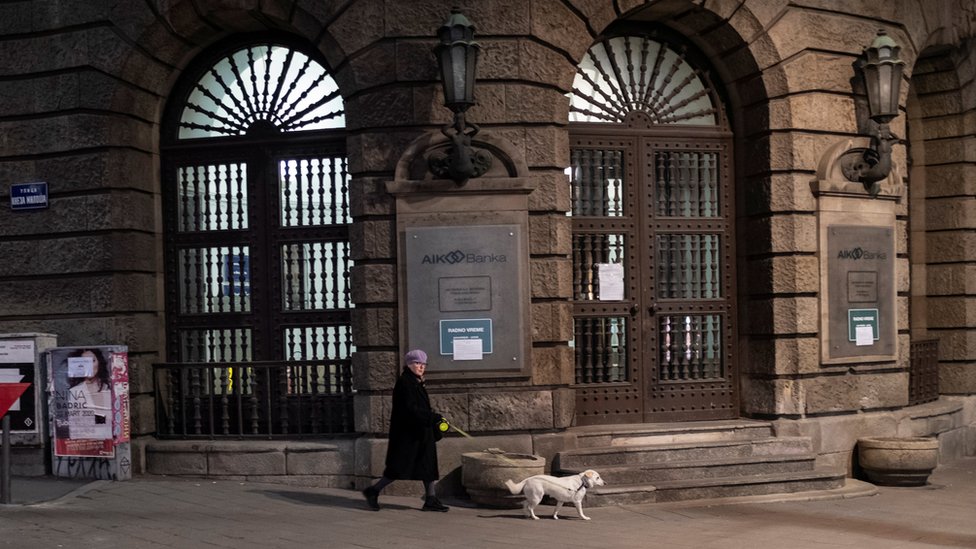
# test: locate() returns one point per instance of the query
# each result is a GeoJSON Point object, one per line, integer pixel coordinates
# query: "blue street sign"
{"type": "Point", "coordinates": [28, 196]}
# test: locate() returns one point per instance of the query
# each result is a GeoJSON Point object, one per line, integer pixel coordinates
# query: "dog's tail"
{"type": "Point", "coordinates": [515, 488]}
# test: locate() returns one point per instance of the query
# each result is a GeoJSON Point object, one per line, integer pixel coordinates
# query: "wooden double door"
{"type": "Point", "coordinates": [654, 275]}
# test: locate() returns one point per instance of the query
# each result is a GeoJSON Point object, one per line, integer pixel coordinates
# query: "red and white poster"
{"type": "Point", "coordinates": [90, 400]}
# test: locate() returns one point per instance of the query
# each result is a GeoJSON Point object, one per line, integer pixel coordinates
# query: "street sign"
{"type": "Point", "coordinates": [28, 196]}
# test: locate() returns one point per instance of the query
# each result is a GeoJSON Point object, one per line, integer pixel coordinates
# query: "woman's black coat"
{"type": "Point", "coordinates": [412, 453]}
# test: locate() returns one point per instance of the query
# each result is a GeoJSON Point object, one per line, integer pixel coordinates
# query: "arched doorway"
{"type": "Point", "coordinates": [653, 235]}
{"type": "Point", "coordinates": [256, 227]}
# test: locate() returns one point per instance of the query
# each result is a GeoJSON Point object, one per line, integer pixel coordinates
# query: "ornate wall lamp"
{"type": "Point", "coordinates": [457, 56]}
{"type": "Point", "coordinates": [882, 70]}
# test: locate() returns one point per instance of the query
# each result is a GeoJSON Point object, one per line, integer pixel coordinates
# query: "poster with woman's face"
{"type": "Point", "coordinates": [86, 410]}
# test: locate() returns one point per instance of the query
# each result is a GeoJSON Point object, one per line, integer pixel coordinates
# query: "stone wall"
{"type": "Point", "coordinates": [84, 85]}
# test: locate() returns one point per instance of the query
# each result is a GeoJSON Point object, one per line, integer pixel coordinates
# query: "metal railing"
{"type": "Point", "coordinates": [269, 399]}
{"type": "Point", "coordinates": [923, 377]}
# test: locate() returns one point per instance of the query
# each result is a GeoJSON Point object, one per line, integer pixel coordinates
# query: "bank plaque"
{"type": "Point", "coordinates": [463, 287]}
{"type": "Point", "coordinates": [861, 294]}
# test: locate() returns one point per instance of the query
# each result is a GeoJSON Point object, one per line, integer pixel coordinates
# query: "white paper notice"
{"type": "Point", "coordinates": [467, 349]}
{"type": "Point", "coordinates": [863, 335]}
{"type": "Point", "coordinates": [81, 366]}
{"type": "Point", "coordinates": [611, 281]}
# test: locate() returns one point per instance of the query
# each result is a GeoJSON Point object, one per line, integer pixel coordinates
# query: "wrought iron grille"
{"type": "Point", "coordinates": [256, 213]}
{"type": "Point", "coordinates": [923, 384]}
{"type": "Point", "coordinates": [625, 74]}
{"type": "Point", "coordinates": [254, 399]}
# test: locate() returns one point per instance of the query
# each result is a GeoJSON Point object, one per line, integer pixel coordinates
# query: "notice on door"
{"type": "Point", "coordinates": [611, 276]}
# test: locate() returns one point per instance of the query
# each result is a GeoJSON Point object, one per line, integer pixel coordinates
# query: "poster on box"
{"type": "Point", "coordinates": [90, 408]}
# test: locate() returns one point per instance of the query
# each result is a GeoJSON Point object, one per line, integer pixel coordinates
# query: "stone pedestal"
{"type": "Point", "coordinates": [483, 475]}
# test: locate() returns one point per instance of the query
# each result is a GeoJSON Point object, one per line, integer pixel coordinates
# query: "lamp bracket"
{"type": "Point", "coordinates": [460, 162]}
{"type": "Point", "coordinates": [869, 165]}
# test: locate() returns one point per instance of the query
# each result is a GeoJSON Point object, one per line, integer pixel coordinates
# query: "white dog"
{"type": "Point", "coordinates": [561, 489]}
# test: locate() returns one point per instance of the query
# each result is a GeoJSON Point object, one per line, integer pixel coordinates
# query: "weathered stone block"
{"type": "Point", "coordinates": [782, 356]}
{"type": "Point", "coordinates": [373, 66]}
{"type": "Point", "coordinates": [957, 378]}
{"type": "Point", "coordinates": [524, 103]}
{"type": "Point", "coordinates": [784, 315]}
{"type": "Point", "coordinates": [374, 327]}
{"type": "Point", "coordinates": [372, 240]}
{"type": "Point", "coordinates": [190, 461]}
{"type": "Point", "coordinates": [552, 278]}
{"type": "Point", "coordinates": [957, 344]}
{"type": "Point", "coordinates": [784, 274]}
{"type": "Point", "coordinates": [544, 65]}
{"type": "Point", "coordinates": [368, 196]}
{"type": "Point", "coordinates": [552, 192]}
{"type": "Point", "coordinates": [546, 146]}
{"type": "Point", "coordinates": [361, 24]}
{"type": "Point", "coordinates": [317, 459]}
{"type": "Point", "coordinates": [453, 407]}
{"type": "Point", "coordinates": [554, 23]}
{"type": "Point", "coordinates": [771, 397]}
{"type": "Point", "coordinates": [781, 234]}
{"type": "Point", "coordinates": [779, 193]}
{"type": "Point", "coordinates": [241, 461]}
{"type": "Point", "coordinates": [552, 365]}
{"type": "Point", "coordinates": [142, 409]}
{"type": "Point", "coordinates": [378, 151]}
{"type": "Point", "coordinates": [398, 108]}
{"type": "Point", "coordinates": [563, 407]}
{"type": "Point", "coordinates": [950, 213]}
{"type": "Point", "coordinates": [847, 393]}
{"type": "Point", "coordinates": [550, 234]}
{"type": "Point", "coordinates": [499, 59]}
{"type": "Point", "coordinates": [375, 370]}
{"type": "Point", "coordinates": [494, 411]}
{"type": "Point", "coordinates": [815, 111]}
{"type": "Point", "coordinates": [951, 312]}
{"type": "Point", "coordinates": [950, 180]}
{"type": "Point", "coordinates": [372, 413]}
{"type": "Point", "coordinates": [552, 321]}
{"type": "Point", "coordinates": [953, 279]}
{"type": "Point", "coordinates": [373, 283]}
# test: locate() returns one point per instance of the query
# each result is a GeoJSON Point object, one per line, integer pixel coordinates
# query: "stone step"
{"type": "Point", "coordinates": [665, 433]}
{"type": "Point", "coordinates": [597, 457]}
{"type": "Point", "coordinates": [709, 468]}
{"type": "Point", "coordinates": [713, 488]}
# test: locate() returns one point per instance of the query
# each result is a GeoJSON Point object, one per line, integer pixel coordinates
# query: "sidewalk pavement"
{"type": "Point", "coordinates": [188, 513]}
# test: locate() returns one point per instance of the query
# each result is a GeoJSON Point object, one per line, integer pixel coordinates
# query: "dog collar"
{"type": "Point", "coordinates": [582, 482]}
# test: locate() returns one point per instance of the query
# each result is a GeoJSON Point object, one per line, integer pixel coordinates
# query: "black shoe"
{"type": "Point", "coordinates": [372, 498]}
{"type": "Point", "coordinates": [431, 503]}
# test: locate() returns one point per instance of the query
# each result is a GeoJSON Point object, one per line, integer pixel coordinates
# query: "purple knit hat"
{"type": "Point", "coordinates": [415, 355]}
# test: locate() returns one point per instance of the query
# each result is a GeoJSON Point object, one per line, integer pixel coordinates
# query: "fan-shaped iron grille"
{"type": "Point", "coordinates": [626, 74]}
{"type": "Point", "coordinates": [264, 88]}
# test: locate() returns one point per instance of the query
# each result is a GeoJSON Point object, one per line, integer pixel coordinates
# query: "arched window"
{"type": "Point", "coordinates": [256, 214]}
{"type": "Point", "coordinates": [652, 214]}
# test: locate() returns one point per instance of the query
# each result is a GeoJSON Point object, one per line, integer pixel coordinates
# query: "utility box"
{"type": "Point", "coordinates": [21, 362]}
{"type": "Point", "coordinates": [89, 407]}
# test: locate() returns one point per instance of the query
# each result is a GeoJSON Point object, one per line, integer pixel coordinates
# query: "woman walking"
{"type": "Point", "coordinates": [412, 450]}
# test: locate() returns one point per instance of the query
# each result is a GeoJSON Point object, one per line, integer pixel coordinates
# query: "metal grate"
{"type": "Point", "coordinates": [253, 399]}
{"type": "Point", "coordinates": [687, 184]}
{"type": "Point", "coordinates": [690, 347]}
{"type": "Point", "coordinates": [923, 385]}
{"type": "Point", "coordinates": [256, 225]}
{"type": "Point", "coordinates": [625, 74]}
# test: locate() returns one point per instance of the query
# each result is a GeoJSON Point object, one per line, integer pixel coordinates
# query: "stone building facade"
{"type": "Point", "coordinates": [90, 102]}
